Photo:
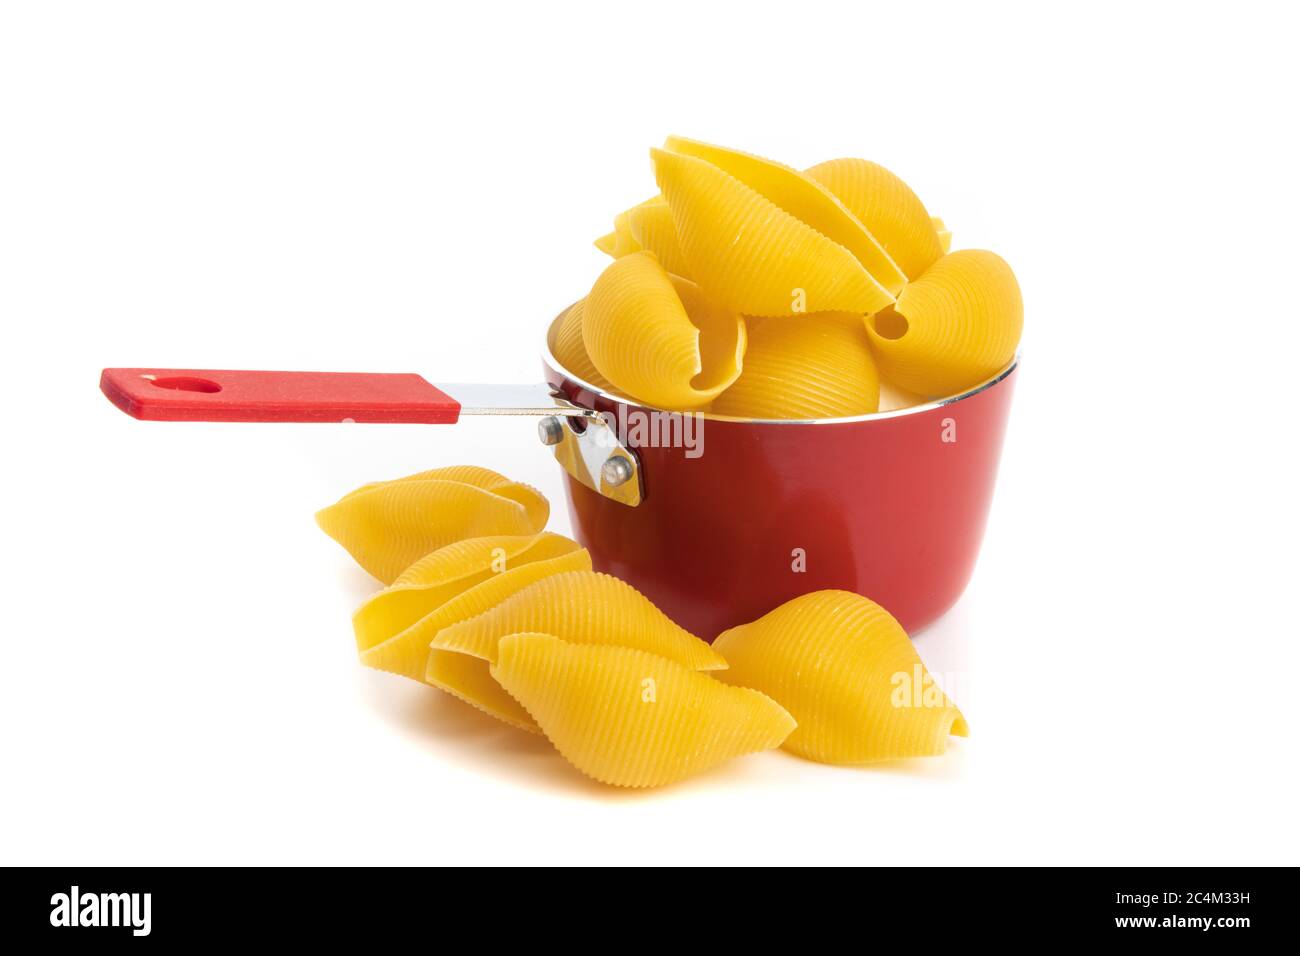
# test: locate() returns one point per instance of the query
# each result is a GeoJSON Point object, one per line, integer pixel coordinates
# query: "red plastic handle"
{"type": "Point", "coordinates": [209, 395]}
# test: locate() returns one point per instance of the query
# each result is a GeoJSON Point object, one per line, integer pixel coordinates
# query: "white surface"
{"type": "Point", "coordinates": [412, 187]}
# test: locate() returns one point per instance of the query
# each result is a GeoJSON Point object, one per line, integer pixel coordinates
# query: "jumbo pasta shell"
{"type": "Point", "coordinates": [751, 256]}
{"type": "Point", "coordinates": [887, 206]}
{"type": "Point", "coordinates": [584, 607]}
{"type": "Point", "coordinates": [803, 197]}
{"type": "Point", "coordinates": [649, 344]}
{"type": "Point", "coordinates": [629, 718]}
{"type": "Point", "coordinates": [572, 354]}
{"type": "Point", "coordinates": [847, 672]}
{"type": "Point", "coordinates": [816, 366]}
{"type": "Point", "coordinates": [620, 242]}
{"type": "Point", "coordinates": [407, 651]}
{"type": "Point", "coordinates": [470, 679]}
{"type": "Point", "coordinates": [388, 526]}
{"type": "Point", "coordinates": [952, 328]}
{"type": "Point", "coordinates": [652, 228]}
{"type": "Point", "coordinates": [441, 575]}
{"type": "Point", "coordinates": [648, 226]}
{"type": "Point", "coordinates": [475, 475]}
{"type": "Point", "coordinates": [534, 502]}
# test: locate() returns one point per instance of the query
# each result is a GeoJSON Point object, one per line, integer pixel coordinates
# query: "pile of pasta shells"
{"type": "Point", "coordinates": [479, 601]}
{"type": "Point", "coordinates": [750, 289]}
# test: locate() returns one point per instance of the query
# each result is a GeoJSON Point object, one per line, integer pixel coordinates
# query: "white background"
{"type": "Point", "coordinates": [415, 188]}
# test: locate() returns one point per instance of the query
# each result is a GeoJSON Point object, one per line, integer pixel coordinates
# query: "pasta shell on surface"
{"type": "Point", "coordinates": [439, 576]}
{"type": "Point", "coordinates": [952, 328]}
{"type": "Point", "coordinates": [629, 718]}
{"type": "Point", "coordinates": [944, 234]}
{"type": "Point", "coordinates": [388, 526]}
{"type": "Point", "coordinates": [645, 340]}
{"type": "Point", "coordinates": [816, 366]}
{"type": "Point", "coordinates": [887, 206]}
{"type": "Point", "coordinates": [572, 354]}
{"type": "Point", "coordinates": [806, 199]}
{"type": "Point", "coordinates": [751, 256]}
{"type": "Point", "coordinates": [538, 508]}
{"type": "Point", "coordinates": [848, 673]}
{"type": "Point", "coordinates": [475, 475]}
{"type": "Point", "coordinates": [471, 680]}
{"type": "Point", "coordinates": [583, 607]}
{"type": "Point", "coordinates": [407, 651]}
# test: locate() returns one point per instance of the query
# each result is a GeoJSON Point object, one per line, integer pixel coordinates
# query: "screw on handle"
{"type": "Point", "coordinates": [210, 395]}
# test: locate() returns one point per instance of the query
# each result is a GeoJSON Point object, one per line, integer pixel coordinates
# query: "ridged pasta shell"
{"type": "Point", "coordinates": [952, 328]}
{"type": "Point", "coordinates": [652, 228]}
{"type": "Point", "coordinates": [629, 718]}
{"type": "Point", "coordinates": [584, 607]}
{"type": "Point", "coordinates": [388, 526]}
{"type": "Point", "coordinates": [572, 354]}
{"type": "Point", "coordinates": [887, 206]}
{"type": "Point", "coordinates": [441, 575]}
{"type": "Point", "coordinates": [408, 652]}
{"type": "Point", "coordinates": [620, 242]}
{"type": "Point", "coordinates": [470, 679]}
{"type": "Point", "coordinates": [816, 366]}
{"type": "Point", "coordinates": [647, 226]}
{"type": "Point", "coordinates": [803, 197]}
{"type": "Point", "coordinates": [651, 345]}
{"type": "Point", "coordinates": [534, 502]}
{"type": "Point", "coordinates": [944, 234]}
{"type": "Point", "coordinates": [751, 256]}
{"type": "Point", "coordinates": [475, 475]}
{"type": "Point", "coordinates": [847, 672]}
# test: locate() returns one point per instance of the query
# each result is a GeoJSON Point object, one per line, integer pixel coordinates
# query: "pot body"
{"type": "Point", "coordinates": [892, 507]}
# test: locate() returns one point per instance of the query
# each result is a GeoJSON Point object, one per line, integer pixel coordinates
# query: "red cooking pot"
{"type": "Point", "coordinates": [717, 520]}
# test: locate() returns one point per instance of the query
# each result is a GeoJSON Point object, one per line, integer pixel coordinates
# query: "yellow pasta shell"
{"type": "Point", "coordinates": [407, 651]}
{"type": "Point", "coordinates": [888, 207]}
{"type": "Point", "coordinates": [470, 679]}
{"type": "Point", "coordinates": [475, 475]}
{"type": "Point", "coordinates": [647, 226]}
{"type": "Point", "coordinates": [388, 526]}
{"type": "Point", "coordinates": [652, 228]}
{"type": "Point", "coordinates": [441, 575]}
{"type": "Point", "coordinates": [643, 338]}
{"type": "Point", "coordinates": [804, 198]}
{"type": "Point", "coordinates": [952, 328]}
{"type": "Point", "coordinates": [630, 718]}
{"type": "Point", "coordinates": [534, 502]}
{"type": "Point", "coordinates": [847, 672]}
{"type": "Point", "coordinates": [751, 256]}
{"type": "Point", "coordinates": [620, 242]}
{"type": "Point", "coordinates": [816, 366]}
{"type": "Point", "coordinates": [572, 354]}
{"type": "Point", "coordinates": [584, 607]}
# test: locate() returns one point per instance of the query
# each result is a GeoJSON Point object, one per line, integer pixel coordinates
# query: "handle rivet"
{"type": "Point", "coordinates": [550, 431]}
{"type": "Point", "coordinates": [616, 470]}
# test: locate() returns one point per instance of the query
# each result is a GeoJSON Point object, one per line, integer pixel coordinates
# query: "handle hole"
{"type": "Point", "coordinates": [183, 383]}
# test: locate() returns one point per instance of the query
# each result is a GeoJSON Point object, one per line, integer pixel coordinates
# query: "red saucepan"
{"type": "Point", "coordinates": [716, 520]}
